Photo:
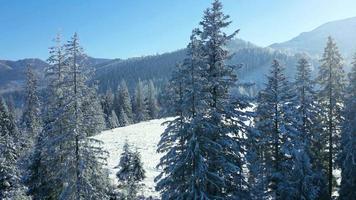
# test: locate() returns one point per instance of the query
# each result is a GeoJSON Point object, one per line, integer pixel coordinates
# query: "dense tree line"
{"type": "Point", "coordinates": [122, 109]}
{"type": "Point", "coordinates": [301, 130]}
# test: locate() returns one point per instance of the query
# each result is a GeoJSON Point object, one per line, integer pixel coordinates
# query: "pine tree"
{"type": "Point", "coordinates": [113, 120]}
{"type": "Point", "coordinates": [10, 179]}
{"type": "Point", "coordinates": [332, 84]}
{"type": "Point", "coordinates": [152, 106]}
{"type": "Point", "coordinates": [31, 118]}
{"type": "Point", "coordinates": [278, 130]}
{"type": "Point", "coordinates": [348, 141]}
{"type": "Point", "coordinates": [140, 104]}
{"type": "Point", "coordinates": [125, 101]}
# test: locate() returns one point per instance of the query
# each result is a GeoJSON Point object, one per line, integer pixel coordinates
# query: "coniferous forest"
{"type": "Point", "coordinates": [290, 135]}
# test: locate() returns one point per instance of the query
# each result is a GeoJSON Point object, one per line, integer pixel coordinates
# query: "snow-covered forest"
{"type": "Point", "coordinates": [201, 130]}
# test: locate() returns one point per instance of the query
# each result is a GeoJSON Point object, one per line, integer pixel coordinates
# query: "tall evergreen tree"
{"type": "Point", "coordinates": [348, 141]}
{"type": "Point", "coordinates": [309, 176]}
{"type": "Point", "coordinates": [331, 80]}
{"type": "Point", "coordinates": [152, 106]}
{"type": "Point", "coordinates": [113, 120]}
{"type": "Point", "coordinates": [123, 119]}
{"type": "Point", "coordinates": [226, 120]}
{"type": "Point", "coordinates": [140, 106]}
{"type": "Point", "coordinates": [10, 179]}
{"type": "Point", "coordinates": [32, 114]}
{"type": "Point", "coordinates": [278, 130]}
{"type": "Point", "coordinates": [74, 159]}
{"type": "Point", "coordinates": [40, 177]}
{"type": "Point", "coordinates": [125, 101]}
{"type": "Point", "coordinates": [107, 105]}
{"type": "Point", "coordinates": [201, 145]}
{"type": "Point", "coordinates": [181, 178]}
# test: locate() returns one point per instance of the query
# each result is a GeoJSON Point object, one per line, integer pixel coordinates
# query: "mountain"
{"type": "Point", "coordinates": [313, 42]}
{"type": "Point", "coordinates": [255, 62]}
{"type": "Point", "coordinates": [12, 73]}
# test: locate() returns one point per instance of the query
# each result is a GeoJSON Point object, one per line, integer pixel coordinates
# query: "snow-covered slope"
{"type": "Point", "coordinates": [144, 136]}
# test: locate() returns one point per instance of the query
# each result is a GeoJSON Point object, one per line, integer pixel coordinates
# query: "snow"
{"type": "Point", "coordinates": [144, 136]}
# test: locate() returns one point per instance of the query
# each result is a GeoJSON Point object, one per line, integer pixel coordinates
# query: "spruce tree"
{"type": "Point", "coordinates": [10, 177]}
{"type": "Point", "coordinates": [31, 118]}
{"type": "Point", "coordinates": [200, 146]}
{"type": "Point", "coordinates": [123, 119]}
{"type": "Point", "coordinates": [107, 105]}
{"type": "Point", "coordinates": [277, 131]}
{"type": "Point", "coordinates": [130, 173]}
{"type": "Point", "coordinates": [181, 178]}
{"type": "Point", "coordinates": [332, 84]}
{"type": "Point", "coordinates": [225, 122]}
{"type": "Point", "coordinates": [113, 120]}
{"type": "Point", "coordinates": [140, 106]}
{"type": "Point", "coordinates": [41, 179]}
{"type": "Point", "coordinates": [74, 160]}
{"type": "Point", "coordinates": [348, 148]}
{"type": "Point", "coordinates": [124, 165]}
{"type": "Point", "coordinates": [310, 175]}
{"type": "Point", "coordinates": [125, 101]}
{"type": "Point", "coordinates": [152, 106]}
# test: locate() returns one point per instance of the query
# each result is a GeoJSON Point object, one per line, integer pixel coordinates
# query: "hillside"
{"type": "Point", "coordinates": [313, 42]}
{"type": "Point", "coordinates": [144, 136]}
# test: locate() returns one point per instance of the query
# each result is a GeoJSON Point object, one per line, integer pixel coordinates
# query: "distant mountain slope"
{"type": "Point", "coordinates": [313, 42]}
{"type": "Point", "coordinates": [109, 72]}
{"type": "Point", "coordinates": [256, 61]}
{"type": "Point", "coordinates": [12, 73]}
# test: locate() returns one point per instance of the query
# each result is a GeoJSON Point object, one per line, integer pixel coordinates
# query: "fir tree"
{"type": "Point", "coordinates": [107, 105]}
{"type": "Point", "coordinates": [74, 159]}
{"type": "Point", "coordinates": [152, 106]}
{"type": "Point", "coordinates": [113, 120]}
{"type": "Point", "coordinates": [32, 115]}
{"type": "Point", "coordinates": [278, 130]}
{"type": "Point", "coordinates": [225, 118]}
{"type": "Point", "coordinates": [140, 104]}
{"type": "Point", "coordinates": [124, 165]}
{"type": "Point", "coordinates": [348, 141]}
{"type": "Point", "coordinates": [41, 179]}
{"type": "Point", "coordinates": [309, 174]}
{"type": "Point", "coordinates": [125, 101]}
{"type": "Point", "coordinates": [200, 146]}
{"type": "Point", "coordinates": [123, 119]}
{"type": "Point", "coordinates": [10, 179]}
{"type": "Point", "coordinates": [332, 84]}
{"type": "Point", "coordinates": [130, 173]}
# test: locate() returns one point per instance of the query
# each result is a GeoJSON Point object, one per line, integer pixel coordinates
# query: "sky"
{"type": "Point", "coordinates": [131, 28]}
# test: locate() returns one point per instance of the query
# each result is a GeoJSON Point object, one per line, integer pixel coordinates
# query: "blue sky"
{"type": "Point", "coordinates": [128, 28]}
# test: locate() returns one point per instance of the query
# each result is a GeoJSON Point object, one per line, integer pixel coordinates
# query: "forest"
{"type": "Point", "coordinates": [292, 136]}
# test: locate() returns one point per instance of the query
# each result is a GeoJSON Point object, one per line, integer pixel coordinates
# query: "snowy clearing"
{"type": "Point", "coordinates": [144, 136]}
